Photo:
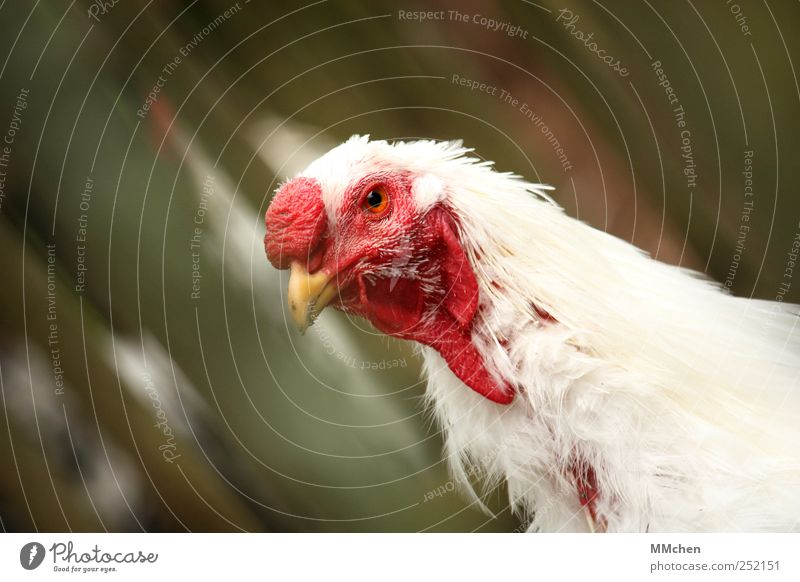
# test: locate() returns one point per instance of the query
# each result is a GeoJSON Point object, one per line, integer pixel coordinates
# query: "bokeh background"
{"type": "Point", "coordinates": [150, 380]}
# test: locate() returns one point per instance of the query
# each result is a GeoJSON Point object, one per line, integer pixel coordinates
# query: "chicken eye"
{"type": "Point", "coordinates": [376, 201]}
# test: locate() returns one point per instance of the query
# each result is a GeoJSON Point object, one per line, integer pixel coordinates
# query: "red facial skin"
{"type": "Point", "coordinates": [404, 271]}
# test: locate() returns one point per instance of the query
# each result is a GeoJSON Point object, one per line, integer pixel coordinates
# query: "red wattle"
{"type": "Point", "coordinates": [465, 362]}
{"type": "Point", "coordinates": [397, 307]}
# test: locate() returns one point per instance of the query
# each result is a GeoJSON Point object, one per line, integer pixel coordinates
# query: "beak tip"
{"type": "Point", "coordinates": [307, 296]}
{"type": "Point", "coordinates": [299, 318]}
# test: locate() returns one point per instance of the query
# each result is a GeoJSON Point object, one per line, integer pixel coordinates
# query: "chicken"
{"type": "Point", "coordinates": [610, 391]}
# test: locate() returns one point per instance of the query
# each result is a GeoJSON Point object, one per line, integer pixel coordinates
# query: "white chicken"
{"type": "Point", "coordinates": [610, 391]}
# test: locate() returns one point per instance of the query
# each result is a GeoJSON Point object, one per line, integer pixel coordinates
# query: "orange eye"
{"type": "Point", "coordinates": [376, 201]}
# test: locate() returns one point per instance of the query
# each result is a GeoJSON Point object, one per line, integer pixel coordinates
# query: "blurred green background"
{"type": "Point", "coordinates": [150, 380]}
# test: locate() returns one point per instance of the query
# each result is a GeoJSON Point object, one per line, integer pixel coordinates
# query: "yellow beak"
{"type": "Point", "coordinates": [308, 295]}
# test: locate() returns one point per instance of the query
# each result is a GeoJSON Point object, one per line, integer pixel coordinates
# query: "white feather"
{"type": "Point", "coordinates": [683, 399]}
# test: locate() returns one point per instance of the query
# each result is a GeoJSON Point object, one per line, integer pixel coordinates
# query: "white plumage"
{"type": "Point", "coordinates": [683, 400]}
